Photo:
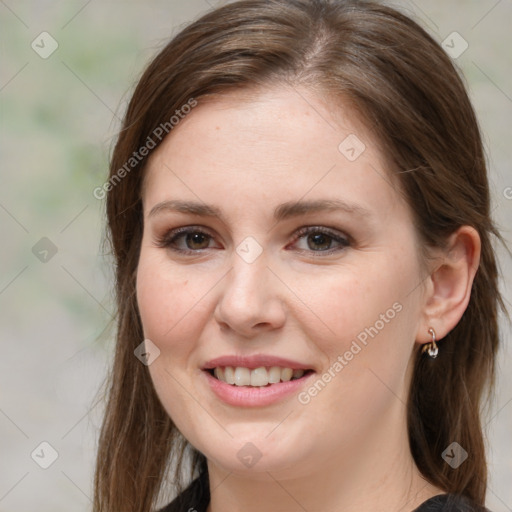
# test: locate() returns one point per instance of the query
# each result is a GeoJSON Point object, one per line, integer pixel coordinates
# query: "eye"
{"type": "Point", "coordinates": [192, 240]}
{"type": "Point", "coordinates": [320, 239]}
{"type": "Point", "coordinates": [186, 240]}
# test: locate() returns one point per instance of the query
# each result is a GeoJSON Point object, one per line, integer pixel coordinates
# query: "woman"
{"type": "Point", "coordinates": [307, 288]}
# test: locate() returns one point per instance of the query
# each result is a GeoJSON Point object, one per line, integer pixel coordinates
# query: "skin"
{"type": "Point", "coordinates": [246, 153]}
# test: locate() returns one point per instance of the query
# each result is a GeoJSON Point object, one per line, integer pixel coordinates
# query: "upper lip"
{"type": "Point", "coordinates": [255, 361]}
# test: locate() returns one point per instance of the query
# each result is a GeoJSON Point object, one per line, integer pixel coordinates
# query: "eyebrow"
{"type": "Point", "coordinates": [282, 212]}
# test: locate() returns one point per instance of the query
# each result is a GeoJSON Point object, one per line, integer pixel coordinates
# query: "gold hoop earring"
{"type": "Point", "coordinates": [431, 347]}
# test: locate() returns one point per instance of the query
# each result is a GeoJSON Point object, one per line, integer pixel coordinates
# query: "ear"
{"type": "Point", "coordinates": [449, 284]}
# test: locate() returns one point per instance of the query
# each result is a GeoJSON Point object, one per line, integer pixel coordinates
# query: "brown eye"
{"type": "Point", "coordinates": [185, 240]}
{"type": "Point", "coordinates": [321, 240]}
{"type": "Point", "coordinates": [196, 240]}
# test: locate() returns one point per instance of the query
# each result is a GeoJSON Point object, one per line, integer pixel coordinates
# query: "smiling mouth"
{"type": "Point", "coordinates": [256, 377]}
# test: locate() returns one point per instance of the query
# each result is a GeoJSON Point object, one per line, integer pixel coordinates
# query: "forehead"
{"type": "Point", "coordinates": [265, 143]}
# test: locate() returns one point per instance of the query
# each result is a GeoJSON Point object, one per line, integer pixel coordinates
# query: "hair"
{"type": "Point", "coordinates": [410, 95]}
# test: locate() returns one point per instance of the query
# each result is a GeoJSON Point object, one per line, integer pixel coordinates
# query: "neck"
{"type": "Point", "coordinates": [377, 474]}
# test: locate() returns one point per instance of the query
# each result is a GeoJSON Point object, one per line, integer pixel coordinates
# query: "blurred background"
{"type": "Point", "coordinates": [67, 69]}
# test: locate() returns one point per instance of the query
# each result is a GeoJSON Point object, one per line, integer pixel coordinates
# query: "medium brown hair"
{"type": "Point", "coordinates": [409, 94]}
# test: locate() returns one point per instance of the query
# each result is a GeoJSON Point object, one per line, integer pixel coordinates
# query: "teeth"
{"type": "Point", "coordinates": [242, 376]}
{"type": "Point", "coordinates": [297, 374]}
{"type": "Point", "coordinates": [219, 373]}
{"type": "Point", "coordinates": [229, 375]}
{"type": "Point", "coordinates": [257, 377]}
{"type": "Point", "coordinates": [286, 374]}
{"type": "Point", "coordinates": [274, 375]}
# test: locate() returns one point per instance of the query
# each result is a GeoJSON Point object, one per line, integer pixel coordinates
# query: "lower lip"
{"type": "Point", "coordinates": [246, 396]}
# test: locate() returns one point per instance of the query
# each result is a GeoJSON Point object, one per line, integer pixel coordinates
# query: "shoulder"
{"type": "Point", "coordinates": [450, 503]}
{"type": "Point", "coordinates": [194, 498]}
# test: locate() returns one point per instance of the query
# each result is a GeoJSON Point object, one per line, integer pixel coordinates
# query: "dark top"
{"type": "Point", "coordinates": [196, 496]}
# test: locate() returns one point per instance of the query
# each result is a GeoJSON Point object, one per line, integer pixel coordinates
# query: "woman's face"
{"type": "Point", "coordinates": [299, 253]}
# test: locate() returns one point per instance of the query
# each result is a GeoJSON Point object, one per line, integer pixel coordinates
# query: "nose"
{"type": "Point", "coordinates": [250, 301]}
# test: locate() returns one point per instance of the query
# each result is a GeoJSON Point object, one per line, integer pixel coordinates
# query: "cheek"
{"type": "Point", "coordinates": [171, 311]}
{"type": "Point", "coordinates": [168, 304]}
{"type": "Point", "coordinates": [367, 317]}
{"type": "Point", "coordinates": [361, 303]}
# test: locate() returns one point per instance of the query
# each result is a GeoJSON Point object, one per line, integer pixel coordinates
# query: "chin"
{"type": "Point", "coordinates": [259, 455]}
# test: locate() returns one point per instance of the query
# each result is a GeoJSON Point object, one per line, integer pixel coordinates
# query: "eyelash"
{"type": "Point", "coordinates": [170, 238]}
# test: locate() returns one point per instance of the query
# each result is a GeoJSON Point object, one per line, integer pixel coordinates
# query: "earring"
{"type": "Point", "coordinates": [431, 347]}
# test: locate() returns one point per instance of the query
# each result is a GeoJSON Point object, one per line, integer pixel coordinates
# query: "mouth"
{"type": "Point", "coordinates": [261, 377]}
